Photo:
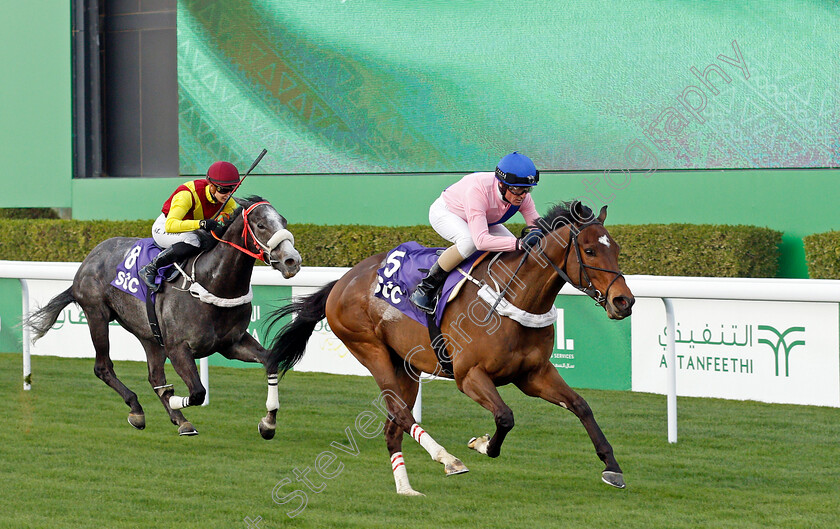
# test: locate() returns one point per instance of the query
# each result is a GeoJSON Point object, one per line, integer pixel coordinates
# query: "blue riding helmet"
{"type": "Point", "coordinates": [517, 170]}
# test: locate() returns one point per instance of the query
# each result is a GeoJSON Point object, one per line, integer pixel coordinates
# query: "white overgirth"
{"type": "Point", "coordinates": [204, 295]}
{"type": "Point", "coordinates": [506, 308]}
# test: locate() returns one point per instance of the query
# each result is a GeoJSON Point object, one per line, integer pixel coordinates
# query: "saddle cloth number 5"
{"type": "Point", "coordinates": [390, 290]}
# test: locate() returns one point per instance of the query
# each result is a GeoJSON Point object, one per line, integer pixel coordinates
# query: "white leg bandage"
{"type": "Point", "coordinates": [273, 401]}
{"type": "Point", "coordinates": [400, 474]}
{"type": "Point", "coordinates": [177, 403]}
{"type": "Point", "coordinates": [426, 441]}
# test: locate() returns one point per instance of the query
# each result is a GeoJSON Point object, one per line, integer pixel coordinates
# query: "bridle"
{"type": "Point", "coordinates": [583, 276]}
{"type": "Point", "coordinates": [264, 249]}
{"type": "Point", "coordinates": [589, 289]}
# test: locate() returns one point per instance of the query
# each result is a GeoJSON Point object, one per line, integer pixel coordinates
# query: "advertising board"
{"type": "Point", "coordinates": [784, 352]}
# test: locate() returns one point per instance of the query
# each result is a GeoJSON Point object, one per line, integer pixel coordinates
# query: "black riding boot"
{"type": "Point", "coordinates": [425, 295]}
{"type": "Point", "coordinates": [176, 252]}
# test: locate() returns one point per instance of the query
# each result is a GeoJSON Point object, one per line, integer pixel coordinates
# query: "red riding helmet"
{"type": "Point", "coordinates": [223, 174]}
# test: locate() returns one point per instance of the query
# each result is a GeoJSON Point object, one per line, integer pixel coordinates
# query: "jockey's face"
{"type": "Point", "coordinates": [220, 193]}
{"type": "Point", "coordinates": [515, 195]}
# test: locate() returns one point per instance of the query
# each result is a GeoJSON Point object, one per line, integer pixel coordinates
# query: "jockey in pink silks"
{"type": "Point", "coordinates": [470, 214]}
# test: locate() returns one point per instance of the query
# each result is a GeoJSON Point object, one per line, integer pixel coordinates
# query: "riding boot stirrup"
{"type": "Point", "coordinates": [148, 273]}
{"type": "Point", "coordinates": [175, 253]}
{"type": "Point", "coordinates": [426, 293]}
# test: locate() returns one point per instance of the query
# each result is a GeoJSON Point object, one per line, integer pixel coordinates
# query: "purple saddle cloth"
{"type": "Point", "coordinates": [128, 277]}
{"type": "Point", "coordinates": [405, 266]}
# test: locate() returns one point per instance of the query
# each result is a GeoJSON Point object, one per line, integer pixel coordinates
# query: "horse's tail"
{"type": "Point", "coordinates": [288, 346]}
{"type": "Point", "coordinates": [42, 320]}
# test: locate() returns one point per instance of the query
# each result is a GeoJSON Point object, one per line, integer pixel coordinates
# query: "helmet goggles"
{"type": "Point", "coordinates": [514, 180]}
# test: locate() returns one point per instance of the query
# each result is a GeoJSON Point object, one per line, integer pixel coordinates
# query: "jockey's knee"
{"type": "Point", "coordinates": [466, 246]}
{"type": "Point", "coordinates": [201, 239]}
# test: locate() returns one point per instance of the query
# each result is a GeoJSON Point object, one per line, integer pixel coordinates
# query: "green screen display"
{"type": "Point", "coordinates": [362, 86]}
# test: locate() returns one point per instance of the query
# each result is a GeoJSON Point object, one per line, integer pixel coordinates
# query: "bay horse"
{"type": "Point", "coordinates": [485, 349]}
{"type": "Point", "coordinates": [190, 328]}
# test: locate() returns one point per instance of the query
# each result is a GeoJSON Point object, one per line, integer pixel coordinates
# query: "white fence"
{"type": "Point", "coordinates": [774, 340]}
{"type": "Point", "coordinates": [26, 271]}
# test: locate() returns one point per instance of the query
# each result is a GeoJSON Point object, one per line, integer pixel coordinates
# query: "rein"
{"type": "Point", "coordinates": [589, 289]}
{"type": "Point", "coordinates": [507, 286]}
{"type": "Point", "coordinates": [264, 249]}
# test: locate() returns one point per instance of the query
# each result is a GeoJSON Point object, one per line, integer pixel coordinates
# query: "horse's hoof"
{"type": "Point", "coordinates": [479, 444]}
{"type": "Point", "coordinates": [138, 420]}
{"type": "Point", "coordinates": [266, 430]}
{"type": "Point", "coordinates": [455, 467]}
{"type": "Point", "coordinates": [187, 428]}
{"type": "Point", "coordinates": [615, 479]}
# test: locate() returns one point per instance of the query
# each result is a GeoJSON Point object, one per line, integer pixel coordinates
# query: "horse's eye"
{"type": "Point", "coordinates": [589, 251]}
{"type": "Point", "coordinates": [260, 226]}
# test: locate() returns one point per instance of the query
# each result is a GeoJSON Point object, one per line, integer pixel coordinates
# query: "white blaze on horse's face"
{"type": "Point", "coordinates": [603, 239]}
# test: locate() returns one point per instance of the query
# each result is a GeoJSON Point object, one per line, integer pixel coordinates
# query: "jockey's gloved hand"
{"type": "Point", "coordinates": [210, 225]}
{"type": "Point", "coordinates": [529, 239]}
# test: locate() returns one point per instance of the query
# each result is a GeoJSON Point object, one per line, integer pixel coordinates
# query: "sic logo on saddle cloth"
{"type": "Point", "coordinates": [125, 280]}
{"type": "Point", "coordinates": [387, 288]}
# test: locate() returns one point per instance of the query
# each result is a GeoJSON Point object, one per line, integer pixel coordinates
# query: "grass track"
{"type": "Point", "coordinates": [68, 458]}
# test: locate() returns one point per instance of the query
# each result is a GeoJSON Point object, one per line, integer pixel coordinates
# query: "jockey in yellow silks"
{"type": "Point", "coordinates": [192, 206]}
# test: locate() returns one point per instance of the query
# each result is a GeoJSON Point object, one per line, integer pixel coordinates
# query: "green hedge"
{"type": "Point", "coordinates": [28, 213]}
{"type": "Point", "coordinates": [698, 250]}
{"type": "Point", "coordinates": [62, 240]}
{"type": "Point", "coordinates": [822, 252]}
{"type": "Point", "coordinates": [655, 249]}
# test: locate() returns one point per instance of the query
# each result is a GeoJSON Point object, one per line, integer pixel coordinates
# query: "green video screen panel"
{"type": "Point", "coordinates": [363, 86]}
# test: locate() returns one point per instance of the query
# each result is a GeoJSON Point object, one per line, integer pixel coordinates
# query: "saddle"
{"type": "Point", "coordinates": [404, 268]}
{"type": "Point", "coordinates": [128, 280]}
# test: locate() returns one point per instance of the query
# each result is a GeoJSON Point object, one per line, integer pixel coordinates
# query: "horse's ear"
{"type": "Point", "coordinates": [580, 213]}
{"type": "Point", "coordinates": [577, 211]}
{"type": "Point", "coordinates": [602, 216]}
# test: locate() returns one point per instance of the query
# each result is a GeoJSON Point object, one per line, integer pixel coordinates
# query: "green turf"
{"type": "Point", "coordinates": [68, 458]}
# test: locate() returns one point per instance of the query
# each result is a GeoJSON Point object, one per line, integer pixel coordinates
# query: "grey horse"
{"type": "Point", "coordinates": [190, 328]}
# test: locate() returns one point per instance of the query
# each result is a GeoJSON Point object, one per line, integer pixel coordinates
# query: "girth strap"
{"type": "Point", "coordinates": [153, 321]}
{"type": "Point", "coordinates": [439, 345]}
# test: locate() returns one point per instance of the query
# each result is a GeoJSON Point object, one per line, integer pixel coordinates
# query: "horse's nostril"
{"type": "Point", "coordinates": [623, 302]}
{"type": "Point", "coordinates": [290, 262]}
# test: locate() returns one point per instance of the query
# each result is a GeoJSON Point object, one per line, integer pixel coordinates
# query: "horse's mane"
{"type": "Point", "coordinates": [242, 203]}
{"type": "Point", "coordinates": [561, 214]}
{"type": "Point", "coordinates": [245, 202]}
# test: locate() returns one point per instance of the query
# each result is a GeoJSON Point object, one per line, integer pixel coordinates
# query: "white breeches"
{"type": "Point", "coordinates": [164, 239]}
{"type": "Point", "coordinates": [455, 229]}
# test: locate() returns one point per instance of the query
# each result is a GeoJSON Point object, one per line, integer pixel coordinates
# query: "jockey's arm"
{"type": "Point", "coordinates": [179, 207]}
{"type": "Point", "coordinates": [479, 230]}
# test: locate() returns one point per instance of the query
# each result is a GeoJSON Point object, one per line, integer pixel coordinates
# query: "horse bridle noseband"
{"type": "Point", "coordinates": [264, 249]}
{"type": "Point", "coordinates": [589, 289]}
